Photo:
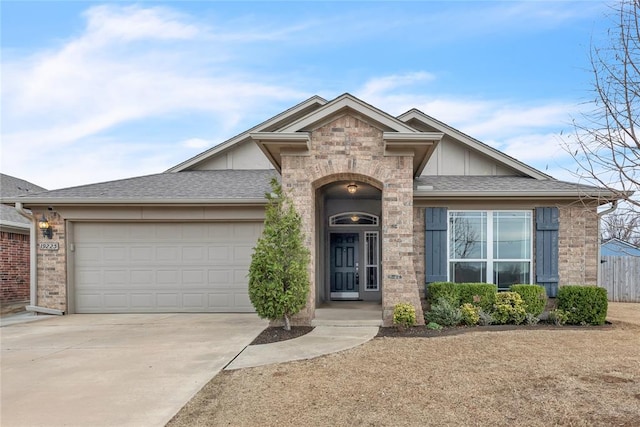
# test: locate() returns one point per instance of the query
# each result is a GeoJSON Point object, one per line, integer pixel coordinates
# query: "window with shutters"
{"type": "Point", "coordinates": [490, 246]}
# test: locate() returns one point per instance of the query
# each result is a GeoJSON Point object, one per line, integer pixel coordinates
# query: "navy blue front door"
{"type": "Point", "coordinates": [344, 266]}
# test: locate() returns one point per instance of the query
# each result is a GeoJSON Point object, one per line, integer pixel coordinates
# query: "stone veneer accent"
{"type": "Point", "coordinates": [52, 267]}
{"type": "Point", "coordinates": [350, 149]}
{"type": "Point", "coordinates": [578, 241]}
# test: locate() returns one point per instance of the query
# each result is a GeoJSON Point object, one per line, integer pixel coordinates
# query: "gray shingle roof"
{"type": "Point", "coordinates": [194, 186]}
{"type": "Point", "coordinates": [247, 186]}
{"type": "Point", "coordinates": [11, 186]}
{"type": "Point", "coordinates": [509, 185]}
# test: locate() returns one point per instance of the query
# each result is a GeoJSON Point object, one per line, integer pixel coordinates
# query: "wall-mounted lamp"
{"type": "Point", "coordinates": [44, 225]}
{"type": "Point", "coordinates": [352, 188]}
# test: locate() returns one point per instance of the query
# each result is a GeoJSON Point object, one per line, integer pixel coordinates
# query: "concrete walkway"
{"type": "Point", "coordinates": [322, 340]}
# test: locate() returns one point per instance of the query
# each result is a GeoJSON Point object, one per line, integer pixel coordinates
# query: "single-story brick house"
{"type": "Point", "coordinates": [15, 238]}
{"type": "Point", "coordinates": [387, 203]}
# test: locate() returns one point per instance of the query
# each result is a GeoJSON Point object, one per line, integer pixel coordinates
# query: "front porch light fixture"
{"type": "Point", "coordinates": [44, 225]}
{"type": "Point", "coordinates": [352, 188]}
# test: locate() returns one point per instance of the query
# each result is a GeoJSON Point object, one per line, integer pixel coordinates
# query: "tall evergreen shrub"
{"type": "Point", "coordinates": [278, 275]}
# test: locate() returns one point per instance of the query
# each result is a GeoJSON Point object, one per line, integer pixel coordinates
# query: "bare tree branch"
{"type": "Point", "coordinates": [605, 143]}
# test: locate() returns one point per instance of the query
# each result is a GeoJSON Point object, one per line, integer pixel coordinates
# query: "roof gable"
{"type": "Point", "coordinates": [269, 125]}
{"type": "Point", "coordinates": [348, 103]}
{"type": "Point", "coordinates": [414, 115]}
{"type": "Point", "coordinates": [397, 137]}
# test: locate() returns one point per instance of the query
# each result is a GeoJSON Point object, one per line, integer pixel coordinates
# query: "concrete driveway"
{"type": "Point", "coordinates": [114, 370]}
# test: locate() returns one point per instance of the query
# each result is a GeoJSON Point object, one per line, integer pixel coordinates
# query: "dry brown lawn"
{"type": "Point", "coordinates": [572, 377]}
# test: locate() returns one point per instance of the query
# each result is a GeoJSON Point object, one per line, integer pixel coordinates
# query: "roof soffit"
{"type": "Point", "coordinates": [473, 143]}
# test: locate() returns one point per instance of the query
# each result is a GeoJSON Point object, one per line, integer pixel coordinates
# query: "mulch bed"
{"type": "Point", "coordinates": [424, 332]}
{"type": "Point", "coordinates": [277, 333]}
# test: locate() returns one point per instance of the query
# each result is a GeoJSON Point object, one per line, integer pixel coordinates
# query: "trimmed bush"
{"type": "Point", "coordinates": [482, 295]}
{"type": "Point", "coordinates": [479, 294]}
{"type": "Point", "coordinates": [470, 314]}
{"type": "Point", "coordinates": [584, 305]}
{"type": "Point", "coordinates": [558, 317]}
{"type": "Point", "coordinates": [485, 318]}
{"type": "Point", "coordinates": [444, 313]}
{"type": "Point", "coordinates": [534, 297]}
{"type": "Point", "coordinates": [404, 315]}
{"type": "Point", "coordinates": [447, 290]}
{"type": "Point", "coordinates": [434, 326]}
{"type": "Point", "coordinates": [509, 308]}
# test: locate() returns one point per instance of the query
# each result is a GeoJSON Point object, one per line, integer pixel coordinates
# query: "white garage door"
{"type": "Point", "coordinates": [163, 267]}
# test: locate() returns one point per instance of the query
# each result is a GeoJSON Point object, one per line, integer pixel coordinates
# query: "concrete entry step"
{"type": "Point", "coordinates": [348, 313]}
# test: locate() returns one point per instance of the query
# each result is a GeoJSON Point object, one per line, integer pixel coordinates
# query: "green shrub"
{"type": "Point", "coordinates": [534, 296]}
{"type": "Point", "coordinates": [585, 305]}
{"type": "Point", "coordinates": [447, 290]}
{"type": "Point", "coordinates": [530, 319]}
{"type": "Point", "coordinates": [404, 315]}
{"type": "Point", "coordinates": [434, 326]}
{"type": "Point", "coordinates": [479, 294]}
{"type": "Point", "coordinates": [278, 273]}
{"type": "Point", "coordinates": [558, 317]}
{"type": "Point", "coordinates": [509, 308]}
{"type": "Point", "coordinates": [485, 318]}
{"type": "Point", "coordinates": [444, 313]}
{"type": "Point", "coordinates": [470, 315]}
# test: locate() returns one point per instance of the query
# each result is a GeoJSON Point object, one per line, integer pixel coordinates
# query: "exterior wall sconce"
{"type": "Point", "coordinates": [352, 188]}
{"type": "Point", "coordinates": [44, 225]}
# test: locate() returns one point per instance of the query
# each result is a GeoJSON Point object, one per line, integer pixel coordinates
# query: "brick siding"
{"type": "Point", "coordinates": [14, 269]}
{"type": "Point", "coordinates": [350, 149]}
{"type": "Point", "coordinates": [52, 266]}
{"type": "Point", "coordinates": [578, 242]}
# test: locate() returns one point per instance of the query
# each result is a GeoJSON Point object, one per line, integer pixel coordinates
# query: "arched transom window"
{"type": "Point", "coordinates": [353, 218]}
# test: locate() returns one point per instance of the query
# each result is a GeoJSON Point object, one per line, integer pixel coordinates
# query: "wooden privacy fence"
{"type": "Point", "coordinates": [620, 276]}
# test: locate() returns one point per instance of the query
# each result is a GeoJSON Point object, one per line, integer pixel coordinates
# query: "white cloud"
{"type": "Point", "coordinates": [129, 65]}
{"type": "Point", "coordinates": [197, 143]}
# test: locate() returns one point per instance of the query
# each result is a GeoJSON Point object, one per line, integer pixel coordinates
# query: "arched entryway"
{"type": "Point", "coordinates": [348, 227]}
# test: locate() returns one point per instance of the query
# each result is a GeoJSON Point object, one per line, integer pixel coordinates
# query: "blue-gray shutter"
{"type": "Point", "coordinates": [435, 244]}
{"type": "Point", "coordinates": [547, 224]}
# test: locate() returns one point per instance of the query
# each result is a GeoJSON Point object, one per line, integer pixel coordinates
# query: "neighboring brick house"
{"type": "Point", "coordinates": [387, 204]}
{"type": "Point", "coordinates": [14, 247]}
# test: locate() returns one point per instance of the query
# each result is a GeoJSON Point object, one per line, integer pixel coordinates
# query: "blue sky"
{"type": "Point", "coordinates": [95, 91]}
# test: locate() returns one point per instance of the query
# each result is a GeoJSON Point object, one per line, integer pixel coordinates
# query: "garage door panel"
{"type": "Point", "coordinates": [114, 254]}
{"type": "Point", "coordinates": [116, 301]}
{"type": "Point", "coordinates": [243, 301]}
{"type": "Point", "coordinates": [142, 301]}
{"type": "Point", "coordinates": [168, 277]}
{"type": "Point", "coordinates": [142, 254]}
{"type": "Point", "coordinates": [194, 254]}
{"type": "Point", "coordinates": [219, 276]}
{"type": "Point", "coordinates": [168, 253]}
{"type": "Point", "coordinates": [196, 300]}
{"type": "Point", "coordinates": [153, 267]}
{"type": "Point", "coordinates": [114, 278]}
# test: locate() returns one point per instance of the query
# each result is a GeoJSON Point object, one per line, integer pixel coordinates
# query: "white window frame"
{"type": "Point", "coordinates": [376, 262]}
{"type": "Point", "coordinates": [375, 220]}
{"type": "Point", "coordinates": [490, 260]}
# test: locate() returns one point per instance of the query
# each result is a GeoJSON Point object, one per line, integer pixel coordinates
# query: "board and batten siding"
{"type": "Point", "coordinates": [620, 276]}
